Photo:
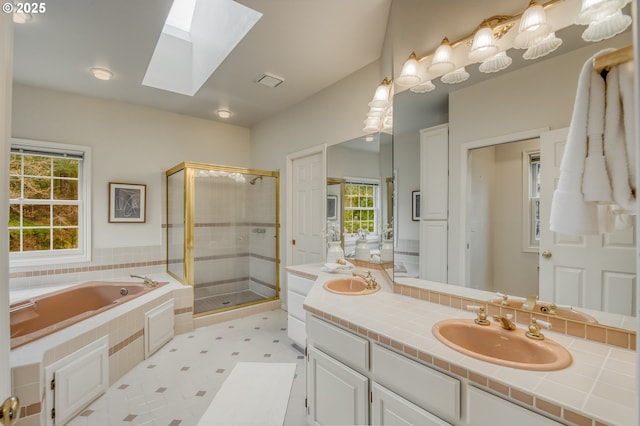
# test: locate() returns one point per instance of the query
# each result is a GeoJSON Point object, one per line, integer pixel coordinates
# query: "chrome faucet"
{"type": "Point", "coordinates": [149, 281]}
{"type": "Point", "coordinates": [505, 321]}
{"type": "Point", "coordinates": [369, 279]}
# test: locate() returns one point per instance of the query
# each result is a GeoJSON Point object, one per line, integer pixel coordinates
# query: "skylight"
{"type": "Point", "coordinates": [197, 36]}
{"type": "Point", "coordinates": [181, 14]}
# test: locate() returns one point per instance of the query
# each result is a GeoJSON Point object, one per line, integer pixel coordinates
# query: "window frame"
{"type": "Point", "coordinates": [529, 242]}
{"type": "Point", "coordinates": [376, 201]}
{"type": "Point", "coordinates": [83, 252]}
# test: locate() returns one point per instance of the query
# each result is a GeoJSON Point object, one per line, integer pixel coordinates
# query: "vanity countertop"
{"type": "Point", "coordinates": [600, 384]}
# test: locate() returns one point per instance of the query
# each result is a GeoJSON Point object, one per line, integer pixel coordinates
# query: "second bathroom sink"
{"type": "Point", "coordinates": [351, 286]}
{"type": "Point", "coordinates": [494, 344]}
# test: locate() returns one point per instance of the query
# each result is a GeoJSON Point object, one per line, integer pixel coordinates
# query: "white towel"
{"type": "Point", "coordinates": [570, 213]}
{"type": "Point", "coordinates": [619, 137]}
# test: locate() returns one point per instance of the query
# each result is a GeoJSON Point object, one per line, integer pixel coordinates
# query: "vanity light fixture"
{"type": "Point", "coordinates": [442, 62]}
{"type": "Point", "coordinates": [102, 73]}
{"type": "Point", "coordinates": [455, 77]}
{"type": "Point", "coordinates": [223, 113]}
{"type": "Point", "coordinates": [409, 74]}
{"type": "Point", "coordinates": [486, 45]}
{"type": "Point", "coordinates": [483, 46]}
{"type": "Point", "coordinates": [496, 63]}
{"type": "Point", "coordinates": [604, 19]}
{"type": "Point", "coordinates": [533, 26]}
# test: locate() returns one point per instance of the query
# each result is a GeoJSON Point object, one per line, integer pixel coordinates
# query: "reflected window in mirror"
{"type": "Point", "coordinates": [532, 178]}
{"type": "Point", "coordinates": [361, 207]}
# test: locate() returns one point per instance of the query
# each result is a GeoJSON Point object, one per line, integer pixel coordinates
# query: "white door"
{"type": "Point", "coordinates": [308, 215]}
{"type": "Point", "coordinates": [336, 394]}
{"type": "Point", "coordinates": [596, 271]}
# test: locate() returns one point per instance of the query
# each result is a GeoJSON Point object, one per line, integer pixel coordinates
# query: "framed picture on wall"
{"type": "Point", "coordinates": [415, 205]}
{"type": "Point", "coordinates": [127, 202]}
{"type": "Point", "coordinates": [332, 207]}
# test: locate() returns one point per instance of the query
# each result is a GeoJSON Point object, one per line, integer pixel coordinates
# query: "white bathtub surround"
{"type": "Point", "coordinates": [254, 393]}
{"type": "Point", "coordinates": [122, 325]}
{"type": "Point", "coordinates": [598, 386]}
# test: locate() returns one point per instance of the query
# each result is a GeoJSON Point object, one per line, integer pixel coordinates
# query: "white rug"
{"type": "Point", "coordinates": [255, 393]}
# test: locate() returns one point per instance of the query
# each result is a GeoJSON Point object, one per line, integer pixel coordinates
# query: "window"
{"type": "Point", "coordinates": [361, 207]}
{"type": "Point", "coordinates": [48, 203]}
{"type": "Point", "coordinates": [531, 219]}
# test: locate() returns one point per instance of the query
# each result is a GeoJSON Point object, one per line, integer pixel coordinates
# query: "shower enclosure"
{"type": "Point", "coordinates": [223, 234]}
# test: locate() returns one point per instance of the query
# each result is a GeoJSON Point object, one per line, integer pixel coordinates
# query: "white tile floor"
{"type": "Point", "coordinates": [176, 385]}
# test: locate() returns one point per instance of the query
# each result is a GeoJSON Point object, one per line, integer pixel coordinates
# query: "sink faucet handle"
{"type": "Point", "coordinates": [534, 328]}
{"type": "Point", "coordinates": [481, 319]}
{"type": "Point", "coordinates": [504, 297]}
{"type": "Point", "coordinates": [530, 303]}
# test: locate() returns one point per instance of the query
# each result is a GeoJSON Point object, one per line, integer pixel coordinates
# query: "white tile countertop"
{"type": "Point", "coordinates": [600, 384]}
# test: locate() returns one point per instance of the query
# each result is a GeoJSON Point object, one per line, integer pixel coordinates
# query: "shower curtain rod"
{"type": "Point", "coordinates": [611, 59]}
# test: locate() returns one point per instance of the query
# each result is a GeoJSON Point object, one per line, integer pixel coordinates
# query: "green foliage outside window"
{"type": "Point", "coordinates": [43, 203]}
{"type": "Point", "coordinates": [360, 207]}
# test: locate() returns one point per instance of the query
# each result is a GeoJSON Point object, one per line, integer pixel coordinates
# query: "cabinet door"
{"type": "Point", "coordinates": [484, 409]}
{"type": "Point", "coordinates": [389, 408]}
{"type": "Point", "coordinates": [336, 394]}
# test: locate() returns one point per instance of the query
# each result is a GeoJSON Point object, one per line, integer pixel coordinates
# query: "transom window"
{"type": "Point", "coordinates": [48, 203]}
{"type": "Point", "coordinates": [361, 207]}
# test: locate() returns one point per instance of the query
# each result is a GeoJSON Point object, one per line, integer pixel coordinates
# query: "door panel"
{"type": "Point", "coordinates": [594, 271]}
{"type": "Point", "coordinates": [308, 183]}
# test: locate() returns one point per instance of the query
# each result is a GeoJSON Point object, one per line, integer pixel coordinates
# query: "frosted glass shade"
{"type": "Point", "coordinates": [442, 62]}
{"type": "Point", "coordinates": [596, 10]}
{"type": "Point", "coordinates": [606, 28]}
{"type": "Point", "coordinates": [455, 77]}
{"type": "Point", "coordinates": [483, 46]}
{"type": "Point", "coordinates": [372, 124]}
{"type": "Point", "coordinates": [382, 95]}
{"type": "Point", "coordinates": [425, 87]}
{"type": "Point", "coordinates": [409, 76]}
{"type": "Point", "coordinates": [543, 47]}
{"type": "Point", "coordinates": [533, 26]}
{"type": "Point", "coordinates": [496, 63]}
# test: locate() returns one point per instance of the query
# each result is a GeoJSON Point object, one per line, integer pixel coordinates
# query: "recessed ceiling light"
{"type": "Point", "coordinates": [269, 80]}
{"type": "Point", "coordinates": [21, 17]}
{"type": "Point", "coordinates": [369, 138]}
{"type": "Point", "coordinates": [102, 73]}
{"type": "Point", "coordinates": [223, 113]}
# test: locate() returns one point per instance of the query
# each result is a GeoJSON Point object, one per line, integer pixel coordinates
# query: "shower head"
{"type": "Point", "coordinates": [253, 181]}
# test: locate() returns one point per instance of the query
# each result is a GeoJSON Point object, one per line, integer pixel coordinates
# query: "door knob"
{"type": "Point", "coordinates": [9, 411]}
{"type": "Point", "coordinates": [546, 254]}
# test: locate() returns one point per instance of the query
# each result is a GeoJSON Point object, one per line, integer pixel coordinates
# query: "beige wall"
{"type": "Point", "coordinates": [130, 144]}
{"type": "Point", "coordinates": [539, 95]}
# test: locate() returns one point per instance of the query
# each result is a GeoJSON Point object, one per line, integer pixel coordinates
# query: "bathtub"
{"type": "Point", "coordinates": [39, 316]}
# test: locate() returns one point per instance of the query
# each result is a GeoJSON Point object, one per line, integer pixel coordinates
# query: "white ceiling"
{"type": "Point", "coordinates": [311, 43]}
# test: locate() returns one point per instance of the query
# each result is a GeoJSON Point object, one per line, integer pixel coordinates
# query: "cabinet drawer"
{"type": "Point", "coordinates": [341, 344]}
{"type": "Point", "coordinates": [294, 305]}
{"type": "Point", "coordinates": [298, 284]}
{"type": "Point", "coordinates": [387, 408]}
{"type": "Point", "coordinates": [428, 388]}
{"type": "Point", "coordinates": [484, 408]}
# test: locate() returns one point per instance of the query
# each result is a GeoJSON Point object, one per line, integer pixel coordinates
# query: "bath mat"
{"type": "Point", "coordinates": [255, 393]}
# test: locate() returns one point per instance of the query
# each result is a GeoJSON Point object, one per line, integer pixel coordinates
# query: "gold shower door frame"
{"type": "Point", "coordinates": [189, 222]}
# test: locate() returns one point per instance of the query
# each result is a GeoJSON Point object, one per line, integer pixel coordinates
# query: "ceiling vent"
{"type": "Point", "coordinates": [269, 80]}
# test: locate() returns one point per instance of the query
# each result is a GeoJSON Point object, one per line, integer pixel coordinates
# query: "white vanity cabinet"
{"type": "Point", "coordinates": [388, 408]}
{"type": "Point", "coordinates": [297, 289]}
{"type": "Point", "coordinates": [336, 394]}
{"type": "Point", "coordinates": [352, 380]}
{"type": "Point", "coordinates": [484, 409]}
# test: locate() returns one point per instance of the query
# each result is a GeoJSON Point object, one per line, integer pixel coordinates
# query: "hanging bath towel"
{"type": "Point", "coordinates": [584, 182]}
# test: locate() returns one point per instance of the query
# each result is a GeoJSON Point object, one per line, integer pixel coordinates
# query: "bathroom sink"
{"type": "Point", "coordinates": [352, 286]}
{"type": "Point", "coordinates": [494, 344]}
{"type": "Point", "coordinates": [544, 308]}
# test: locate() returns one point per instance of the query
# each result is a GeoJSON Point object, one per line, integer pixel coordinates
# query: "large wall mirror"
{"type": "Point", "coordinates": [360, 194]}
{"type": "Point", "coordinates": [499, 169]}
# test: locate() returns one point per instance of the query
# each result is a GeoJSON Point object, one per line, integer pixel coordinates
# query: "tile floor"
{"type": "Point", "coordinates": [176, 385]}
